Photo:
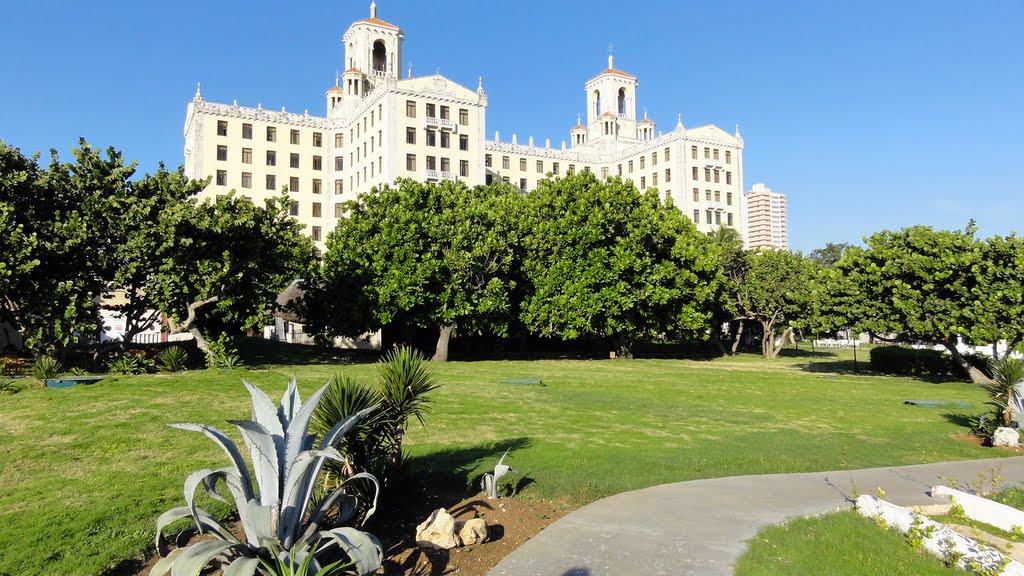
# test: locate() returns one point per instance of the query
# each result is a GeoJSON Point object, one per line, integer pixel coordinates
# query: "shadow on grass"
{"type": "Point", "coordinates": [846, 368]}
{"type": "Point", "coordinates": [960, 419]}
{"type": "Point", "coordinates": [129, 567]}
{"type": "Point", "coordinates": [805, 353]}
{"type": "Point", "coordinates": [257, 353]}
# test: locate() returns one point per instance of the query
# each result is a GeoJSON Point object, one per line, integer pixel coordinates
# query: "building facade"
{"type": "Point", "coordinates": [379, 127]}
{"type": "Point", "coordinates": [766, 218]}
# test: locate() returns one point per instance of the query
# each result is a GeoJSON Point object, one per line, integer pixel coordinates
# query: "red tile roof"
{"type": "Point", "coordinates": [377, 22]}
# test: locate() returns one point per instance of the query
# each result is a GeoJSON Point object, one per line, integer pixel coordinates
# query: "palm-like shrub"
{"type": "Point", "coordinates": [281, 525]}
{"type": "Point", "coordinates": [46, 367]}
{"type": "Point", "coordinates": [1005, 392]}
{"type": "Point", "coordinates": [172, 359]}
{"type": "Point", "coordinates": [128, 365]}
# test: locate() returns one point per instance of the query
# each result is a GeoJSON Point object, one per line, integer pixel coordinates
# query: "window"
{"type": "Point", "coordinates": [464, 168]}
{"type": "Point", "coordinates": [728, 156]}
{"type": "Point", "coordinates": [630, 166]}
{"type": "Point", "coordinates": [430, 111]}
{"type": "Point", "coordinates": [373, 115]}
{"type": "Point", "coordinates": [695, 173]}
{"type": "Point", "coordinates": [654, 179]}
{"type": "Point", "coordinates": [410, 109]}
{"type": "Point", "coordinates": [696, 213]}
{"type": "Point", "coordinates": [339, 163]}
{"type": "Point", "coordinates": [718, 195]}
{"type": "Point", "coordinates": [410, 135]}
{"type": "Point", "coordinates": [222, 177]}
{"type": "Point", "coordinates": [445, 140]}
{"type": "Point", "coordinates": [222, 152]}
{"type": "Point", "coordinates": [522, 184]}
{"type": "Point", "coordinates": [293, 209]}
{"type": "Point", "coordinates": [667, 158]}
{"type": "Point", "coordinates": [247, 131]}
{"type": "Point", "coordinates": [317, 210]}
{"type": "Point", "coordinates": [444, 113]}
{"type": "Point", "coordinates": [339, 186]}
{"type": "Point", "coordinates": [504, 162]}
{"type": "Point", "coordinates": [554, 168]}
{"type": "Point", "coordinates": [522, 164]}
{"type": "Point", "coordinates": [571, 170]}
{"type": "Point", "coordinates": [339, 139]}
{"type": "Point", "coordinates": [318, 186]}
{"type": "Point", "coordinates": [619, 170]}
{"type": "Point", "coordinates": [271, 134]}
{"type": "Point", "coordinates": [315, 233]}
{"type": "Point", "coordinates": [504, 179]}
{"type": "Point", "coordinates": [715, 153]}
{"type": "Point", "coordinates": [318, 163]}
{"type": "Point", "coordinates": [271, 182]}
{"type": "Point", "coordinates": [693, 152]}
{"type": "Point", "coordinates": [463, 117]}
{"type": "Point", "coordinates": [339, 209]}
{"type": "Point", "coordinates": [446, 165]}
{"type": "Point", "coordinates": [431, 163]}
{"type": "Point", "coordinates": [294, 137]}
{"type": "Point", "coordinates": [718, 218]}
{"type": "Point", "coordinates": [668, 175]}
{"type": "Point", "coordinates": [463, 142]}
{"type": "Point", "coordinates": [410, 162]}
{"type": "Point", "coordinates": [716, 176]}
{"type": "Point", "coordinates": [643, 182]}
{"type": "Point", "coordinates": [707, 155]}
{"type": "Point", "coordinates": [728, 177]}
{"type": "Point", "coordinates": [487, 160]}
{"type": "Point", "coordinates": [540, 166]}
{"type": "Point", "coordinates": [707, 195]}
{"type": "Point", "coordinates": [707, 174]}
{"type": "Point", "coordinates": [696, 195]}
{"type": "Point", "coordinates": [222, 127]}
{"type": "Point", "coordinates": [729, 218]}
{"type": "Point", "coordinates": [246, 179]}
{"type": "Point", "coordinates": [707, 217]}
{"type": "Point", "coordinates": [654, 158]}
{"type": "Point", "coordinates": [271, 158]}
{"type": "Point", "coordinates": [431, 138]}
{"type": "Point", "coordinates": [489, 179]}
{"type": "Point", "coordinates": [293, 184]}
{"type": "Point", "coordinates": [728, 198]}
{"type": "Point", "coordinates": [643, 162]}
{"type": "Point", "coordinates": [293, 160]}
{"type": "Point", "coordinates": [246, 155]}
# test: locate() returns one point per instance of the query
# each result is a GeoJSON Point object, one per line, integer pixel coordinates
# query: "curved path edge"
{"type": "Point", "coordinates": [701, 527]}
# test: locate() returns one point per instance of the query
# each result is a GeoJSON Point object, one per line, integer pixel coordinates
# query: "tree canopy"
{"type": "Point", "coordinates": [772, 289]}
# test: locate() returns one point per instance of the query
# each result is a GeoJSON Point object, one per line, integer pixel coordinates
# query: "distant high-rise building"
{"type": "Point", "coordinates": [766, 218]}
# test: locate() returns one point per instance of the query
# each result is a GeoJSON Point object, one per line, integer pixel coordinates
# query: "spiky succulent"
{"type": "Point", "coordinates": [489, 482]}
{"type": "Point", "coordinates": [279, 524]}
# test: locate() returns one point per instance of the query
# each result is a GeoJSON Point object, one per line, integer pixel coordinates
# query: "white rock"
{"type": "Point", "coordinates": [437, 531]}
{"type": "Point", "coordinates": [472, 531]}
{"type": "Point", "coordinates": [1005, 437]}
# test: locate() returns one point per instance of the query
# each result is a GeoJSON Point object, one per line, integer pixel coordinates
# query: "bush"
{"type": "Point", "coordinates": [45, 368]}
{"type": "Point", "coordinates": [129, 365]}
{"type": "Point", "coordinates": [910, 361]}
{"type": "Point", "coordinates": [172, 359]}
{"type": "Point", "coordinates": [7, 385]}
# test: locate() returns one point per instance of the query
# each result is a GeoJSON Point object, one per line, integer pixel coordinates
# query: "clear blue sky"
{"type": "Point", "coordinates": [868, 115]}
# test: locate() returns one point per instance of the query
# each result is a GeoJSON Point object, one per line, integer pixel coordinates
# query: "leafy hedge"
{"type": "Point", "coordinates": [911, 361]}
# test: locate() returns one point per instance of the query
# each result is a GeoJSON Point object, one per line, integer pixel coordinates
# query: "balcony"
{"type": "Point", "coordinates": [435, 175]}
{"type": "Point", "coordinates": [715, 164]}
{"type": "Point", "coordinates": [719, 206]}
{"type": "Point", "coordinates": [441, 123]}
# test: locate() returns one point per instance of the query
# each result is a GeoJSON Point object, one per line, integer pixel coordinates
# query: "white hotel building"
{"type": "Point", "coordinates": [380, 127]}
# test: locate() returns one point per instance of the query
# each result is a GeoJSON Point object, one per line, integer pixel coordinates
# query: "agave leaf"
{"type": "Point", "coordinates": [265, 414]}
{"type": "Point", "coordinates": [296, 484]}
{"type": "Point", "coordinates": [202, 517]}
{"type": "Point", "coordinates": [361, 548]}
{"type": "Point", "coordinates": [290, 403]}
{"type": "Point", "coordinates": [296, 432]}
{"type": "Point", "coordinates": [208, 478]}
{"type": "Point", "coordinates": [347, 503]}
{"type": "Point", "coordinates": [229, 448]}
{"type": "Point", "coordinates": [263, 454]}
{"type": "Point", "coordinates": [197, 556]}
{"type": "Point", "coordinates": [242, 566]}
{"type": "Point", "coordinates": [164, 564]}
{"type": "Point", "coordinates": [257, 522]}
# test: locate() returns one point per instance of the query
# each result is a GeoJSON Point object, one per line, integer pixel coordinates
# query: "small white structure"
{"type": "Point", "coordinates": [984, 510]}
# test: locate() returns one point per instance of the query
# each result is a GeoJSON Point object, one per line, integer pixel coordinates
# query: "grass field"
{"type": "Point", "coordinates": [87, 470]}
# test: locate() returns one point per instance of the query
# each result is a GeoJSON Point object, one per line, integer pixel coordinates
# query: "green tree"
{"type": "Point", "coordinates": [602, 258]}
{"type": "Point", "coordinates": [916, 283]}
{"type": "Point", "coordinates": [830, 254]}
{"type": "Point", "coordinates": [432, 255]}
{"type": "Point", "coordinates": [226, 259]}
{"type": "Point", "coordinates": [998, 296]}
{"type": "Point", "coordinates": [728, 245]}
{"type": "Point", "coordinates": [773, 290]}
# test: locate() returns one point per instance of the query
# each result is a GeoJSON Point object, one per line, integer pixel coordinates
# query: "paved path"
{"type": "Point", "coordinates": [701, 527]}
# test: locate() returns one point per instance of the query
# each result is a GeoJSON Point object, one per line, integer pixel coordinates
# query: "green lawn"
{"type": "Point", "coordinates": [837, 544]}
{"type": "Point", "coordinates": [87, 470]}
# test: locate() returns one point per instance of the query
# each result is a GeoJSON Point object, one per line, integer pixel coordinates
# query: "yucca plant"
{"type": "Point", "coordinates": [1005, 392]}
{"type": "Point", "coordinates": [404, 379]}
{"type": "Point", "coordinates": [128, 365]}
{"type": "Point", "coordinates": [46, 367]}
{"type": "Point", "coordinates": [172, 359]}
{"type": "Point", "coordinates": [281, 526]}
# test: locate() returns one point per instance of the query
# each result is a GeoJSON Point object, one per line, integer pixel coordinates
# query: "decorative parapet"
{"type": "Point", "coordinates": [259, 114]}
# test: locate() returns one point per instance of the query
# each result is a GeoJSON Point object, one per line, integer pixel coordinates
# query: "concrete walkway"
{"type": "Point", "coordinates": [701, 527]}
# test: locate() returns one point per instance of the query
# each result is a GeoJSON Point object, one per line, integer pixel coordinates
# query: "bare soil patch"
{"type": "Point", "coordinates": [979, 441]}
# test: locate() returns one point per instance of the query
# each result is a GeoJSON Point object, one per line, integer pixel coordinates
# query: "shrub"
{"type": "Point", "coordinates": [7, 385]}
{"type": "Point", "coordinates": [280, 523]}
{"type": "Point", "coordinates": [223, 354]}
{"type": "Point", "coordinates": [910, 361]}
{"type": "Point", "coordinates": [45, 368]}
{"type": "Point", "coordinates": [172, 359]}
{"type": "Point", "coordinates": [128, 365]}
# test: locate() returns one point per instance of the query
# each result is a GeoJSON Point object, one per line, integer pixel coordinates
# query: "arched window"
{"type": "Point", "coordinates": [622, 100]}
{"type": "Point", "coordinates": [597, 103]}
{"type": "Point", "coordinates": [380, 56]}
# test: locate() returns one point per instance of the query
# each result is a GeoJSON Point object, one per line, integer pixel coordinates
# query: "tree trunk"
{"type": "Point", "coordinates": [623, 346]}
{"type": "Point", "coordinates": [716, 338]}
{"type": "Point", "coordinates": [739, 336]}
{"type": "Point", "coordinates": [977, 376]}
{"type": "Point", "coordinates": [441, 353]}
{"type": "Point", "coordinates": [201, 342]}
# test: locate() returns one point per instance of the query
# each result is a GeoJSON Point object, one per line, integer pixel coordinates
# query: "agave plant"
{"type": "Point", "coordinates": [46, 367]}
{"type": "Point", "coordinates": [172, 359]}
{"type": "Point", "coordinates": [281, 526]}
{"type": "Point", "coordinates": [489, 482]}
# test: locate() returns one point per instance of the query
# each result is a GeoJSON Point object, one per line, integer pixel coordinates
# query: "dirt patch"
{"type": "Point", "coordinates": [979, 441]}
